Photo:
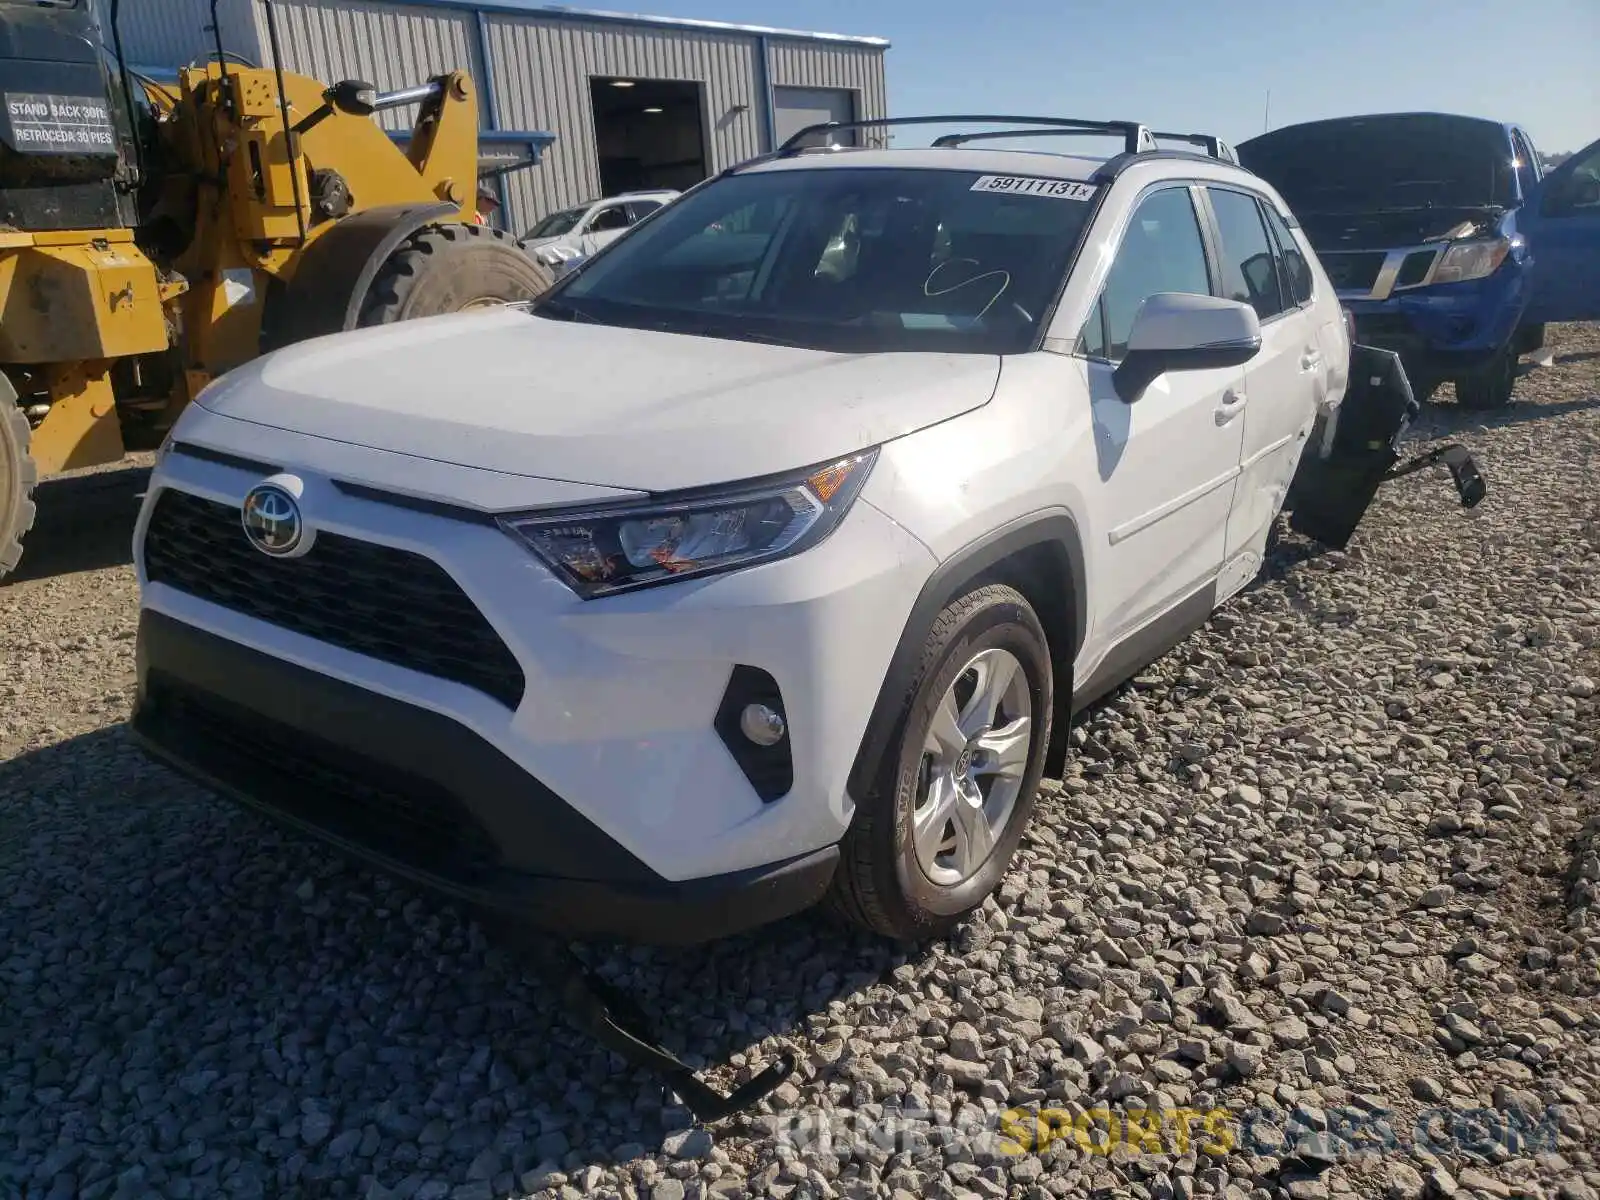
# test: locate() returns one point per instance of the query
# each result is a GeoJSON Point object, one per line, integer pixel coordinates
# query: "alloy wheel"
{"type": "Point", "coordinates": [973, 761]}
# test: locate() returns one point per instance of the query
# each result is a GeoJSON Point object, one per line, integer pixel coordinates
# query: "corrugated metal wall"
{"type": "Point", "coordinates": [388, 45]}
{"type": "Point", "coordinates": [541, 64]}
{"type": "Point", "coordinates": [818, 64]}
{"type": "Point", "coordinates": [541, 81]}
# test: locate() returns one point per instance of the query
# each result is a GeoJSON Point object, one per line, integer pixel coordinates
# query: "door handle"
{"type": "Point", "coordinates": [1310, 360]}
{"type": "Point", "coordinates": [1232, 405]}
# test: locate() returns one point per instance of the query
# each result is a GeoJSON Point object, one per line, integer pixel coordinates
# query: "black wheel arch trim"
{"type": "Point", "coordinates": [326, 291]}
{"type": "Point", "coordinates": [1053, 529]}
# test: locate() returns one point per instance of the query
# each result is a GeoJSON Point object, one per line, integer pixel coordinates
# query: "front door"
{"type": "Point", "coordinates": [1561, 220]}
{"type": "Point", "coordinates": [1283, 384]}
{"type": "Point", "coordinates": [605, 224]}
{"type": "Point", "coordinates": [1167, 461]}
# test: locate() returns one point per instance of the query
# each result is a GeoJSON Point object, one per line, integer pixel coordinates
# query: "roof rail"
{"type": "Point", "coordinates": [1140, 141]}
{"type": "Point", "coordinates": [1134, 135]}
{"type": "Point", "coordinates": [1209, 142]}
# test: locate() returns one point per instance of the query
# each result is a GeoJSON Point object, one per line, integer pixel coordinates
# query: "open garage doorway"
{"type": "Point", "coordinates": [649, 133]}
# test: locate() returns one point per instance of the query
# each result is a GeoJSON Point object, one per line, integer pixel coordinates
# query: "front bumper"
{"type": "Point", "coordinates": [421, 796]}
{"type": "Point", "coordinates": [616, 718]}
{"type": "Point", "coordinates": [1444, 330]}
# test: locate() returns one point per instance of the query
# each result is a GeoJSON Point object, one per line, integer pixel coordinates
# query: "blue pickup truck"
{"type": "Point", "coordinates": [1444, 238]}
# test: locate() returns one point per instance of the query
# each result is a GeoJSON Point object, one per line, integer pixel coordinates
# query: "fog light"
{"type": "Point", "coordinates": [750, 722]}
{"type": "Point", "coordinates": [762, 725]}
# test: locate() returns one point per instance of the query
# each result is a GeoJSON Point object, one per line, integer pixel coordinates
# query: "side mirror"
{"type": "Point", "coordinates": [1176, 331]}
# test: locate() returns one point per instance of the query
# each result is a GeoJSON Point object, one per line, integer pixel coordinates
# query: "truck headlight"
{"type": "Point", "coordinates": [1471, 260]}
{"type": "Point", "coordinates": [603, 551]}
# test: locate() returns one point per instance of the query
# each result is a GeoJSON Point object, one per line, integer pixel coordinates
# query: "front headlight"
{"type": "Point", "coordinates": [611, 550]}
{"type": "Point", "coordinates": [556, 255]}
{"type": "Point", "coordinates": [1471, 260]}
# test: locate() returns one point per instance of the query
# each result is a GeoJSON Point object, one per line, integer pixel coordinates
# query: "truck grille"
{"type": "Point", "coordinates": [374, 600]}
{"type": "Point", "coordinates": [1353, 271]}
{"type": "Point", "coordinates": [405, 818]}
{"type": "Point", "coordinates": [1414, 268]}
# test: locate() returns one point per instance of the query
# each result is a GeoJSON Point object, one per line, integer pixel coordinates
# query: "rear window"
{"type": "Point", "coordinates": [1386, 163]}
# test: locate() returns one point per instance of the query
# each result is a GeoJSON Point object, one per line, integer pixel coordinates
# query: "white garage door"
{"type": "Point", "coordinates": [795, 108]}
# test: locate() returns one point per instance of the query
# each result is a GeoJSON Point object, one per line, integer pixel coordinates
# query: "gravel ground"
{"type": "Point", "coordinates": [1338, 855]}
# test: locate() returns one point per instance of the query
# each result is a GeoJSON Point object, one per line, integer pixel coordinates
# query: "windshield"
{"type": "Point", "coordinates": [557, 223]}
{"type": "Point", "coordinates": [843, 258]}
{"type": "Point", "coordinates": [1368, 164]}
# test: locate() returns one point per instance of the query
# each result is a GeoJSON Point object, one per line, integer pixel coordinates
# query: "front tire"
{"type": "Point", "coordinates": [957, 784]}
{"type": "Point", "coordinates": [449, 268]}
{"type": "Point", "coordinates": [1491, 385]}
{"type": "Point", "coordinates": [18, 474]}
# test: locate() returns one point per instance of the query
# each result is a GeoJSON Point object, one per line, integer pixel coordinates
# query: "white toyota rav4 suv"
{"type": "Point", "coordinates": [892, 460]}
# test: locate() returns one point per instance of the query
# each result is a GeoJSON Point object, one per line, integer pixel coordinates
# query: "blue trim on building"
{"type": "Point", "coordinates": [769, 105]}
{"type": "Point", "coordinates": [534, 141]}
{"type": "Point", "coordinates": [490, 108]}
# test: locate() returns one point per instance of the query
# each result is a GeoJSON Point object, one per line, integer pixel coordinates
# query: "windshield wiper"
{"type": "Point", "coordinates": [751, 335]}
{"type": "Point", "coordinates": [562, 310]}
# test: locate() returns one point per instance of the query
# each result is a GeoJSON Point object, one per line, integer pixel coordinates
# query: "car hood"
{"type": "Point", "coordinates": [511, 392]}
{"type": "Point", "coordinates": [1384, 229]}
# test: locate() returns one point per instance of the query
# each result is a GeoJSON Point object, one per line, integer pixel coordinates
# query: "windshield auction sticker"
{"type": "Point", "coordinates": [1025, 185]}
{"type": "Point", "coordinates": [43, 124]}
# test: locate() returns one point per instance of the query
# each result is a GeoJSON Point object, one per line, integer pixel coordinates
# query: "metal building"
{"type": "Point", "coordinates": [634, 101]}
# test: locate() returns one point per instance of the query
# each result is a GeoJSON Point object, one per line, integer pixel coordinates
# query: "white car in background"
{"type": "Point", "coordinates": [571, 235]}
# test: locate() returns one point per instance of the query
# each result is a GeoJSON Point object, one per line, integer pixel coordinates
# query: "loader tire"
{"type": "Point", "coordinates": [449, 268]}
{"type": "Point", "coordinates": [18, 474]}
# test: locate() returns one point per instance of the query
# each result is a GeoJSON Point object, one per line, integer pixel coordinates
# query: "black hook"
{"type": "Point", "coordinates": [618, 1024]}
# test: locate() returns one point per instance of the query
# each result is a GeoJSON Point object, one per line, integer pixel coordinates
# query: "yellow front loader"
{"type": "Point", "coordinates": [154, 236]}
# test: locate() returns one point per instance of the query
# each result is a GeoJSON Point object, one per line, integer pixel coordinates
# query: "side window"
{"type": "Point", "coordinates": [1527, 160]}
{"type": "Point", "coordinates": [1092, 341]}
{"type": "Point", "coordinates": [608, 220]}
{"type": "Point", "coordinates": [1296, 271]}
{"type": "Point", "coordinates": [638, 210]}
{"type": "Point", "coordinates": [1161, 251]}
{"type": "Point", "coordinates": [1249, 271]}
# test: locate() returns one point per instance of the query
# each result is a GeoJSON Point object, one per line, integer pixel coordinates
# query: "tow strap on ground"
{"type": "Point", "coordinates": [617, 1024]}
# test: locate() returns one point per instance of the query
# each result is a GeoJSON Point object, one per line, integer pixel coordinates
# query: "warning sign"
{"type": "Point", "coordinates": [42, 124]}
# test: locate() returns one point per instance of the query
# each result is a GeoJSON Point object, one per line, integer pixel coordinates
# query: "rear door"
{"type": "Point", "coordinates": [1561, 222]}
{"type": "Point", "coordinates": [1283, 384]}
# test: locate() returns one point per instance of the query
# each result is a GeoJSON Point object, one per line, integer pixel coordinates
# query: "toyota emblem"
{"type": "Point", "coordinates": [271, 519]}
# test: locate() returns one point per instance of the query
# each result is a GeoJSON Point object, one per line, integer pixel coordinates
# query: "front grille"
{"type": "Point", "coordinates": [375, 600]}
{"type": "Point", "coordinates": [410, 820]}
{"type": "Point", "coordinates": [1353, 271]}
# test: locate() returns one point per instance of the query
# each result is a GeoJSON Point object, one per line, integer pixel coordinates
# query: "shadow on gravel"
{"type": "Point", "coordinates": [85, 522]}
{"type": "Point", "coordinates": [1451, 417]}
{"type": "Point", "coordinates": [178, 969]}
